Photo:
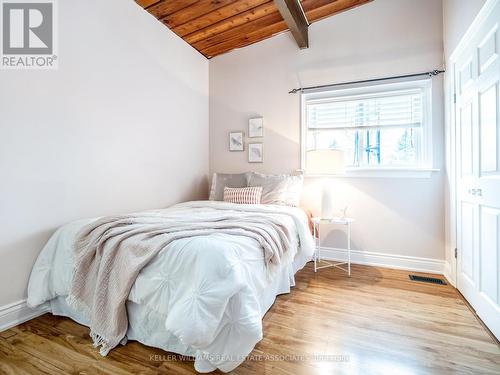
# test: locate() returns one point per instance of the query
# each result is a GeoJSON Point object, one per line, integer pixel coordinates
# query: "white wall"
{"type": "Point", "coordinates": [457, 17]}
{"type": "Point", "coordinates": [121, 126]}
{"type": "Point", "coordinates": [382, 38]}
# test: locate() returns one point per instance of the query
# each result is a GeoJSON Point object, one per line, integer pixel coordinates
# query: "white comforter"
{"type": "Point", "coordinates": [201, 296]}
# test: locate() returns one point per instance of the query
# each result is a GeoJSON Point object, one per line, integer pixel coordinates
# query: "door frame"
{"type": "Point", "coordinates": [450, 271]}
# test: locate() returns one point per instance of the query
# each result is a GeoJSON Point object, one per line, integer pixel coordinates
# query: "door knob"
{"type": "Point", "coordinates": [477, 192]}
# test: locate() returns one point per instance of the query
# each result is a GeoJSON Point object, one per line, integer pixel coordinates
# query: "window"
{"type": "Point", "coordinates": [377, 127]}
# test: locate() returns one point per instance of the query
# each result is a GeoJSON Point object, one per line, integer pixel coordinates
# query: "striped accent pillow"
{"type": "Point", "coordinates": [246, 195]}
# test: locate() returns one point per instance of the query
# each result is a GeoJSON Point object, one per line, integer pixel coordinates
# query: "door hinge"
{"type": "Point", "coordinates": [455, 98]}
{"type": "Point", "coordinates": [456, 253]}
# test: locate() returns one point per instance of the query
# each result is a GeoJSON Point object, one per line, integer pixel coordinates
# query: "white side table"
{"type": "Point", "coordinates": [317, 221]}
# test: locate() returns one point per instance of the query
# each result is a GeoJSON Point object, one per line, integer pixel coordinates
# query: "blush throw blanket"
{"type": "Point", "coordinates": [110, 252]}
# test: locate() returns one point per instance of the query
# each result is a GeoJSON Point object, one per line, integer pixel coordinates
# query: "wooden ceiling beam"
{"type": "Point", "coordinates": [316, 10]}
{"type": "Point", "coordinates": [294, 16]}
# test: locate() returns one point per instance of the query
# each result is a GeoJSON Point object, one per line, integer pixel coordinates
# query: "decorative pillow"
{"type": "Point", "coordinates": [247, 195]}
{"type": "Point", "coordinates": [221, 180]}
{"type": "Point", "coordinates": [281, 189]}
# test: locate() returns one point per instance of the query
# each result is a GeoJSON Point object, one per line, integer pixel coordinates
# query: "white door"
{"type": "Point", "coordinates": [477, 73]}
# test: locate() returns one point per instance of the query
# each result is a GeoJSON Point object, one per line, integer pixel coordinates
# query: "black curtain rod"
{"type": "Point", "coordinates": [432, 73]}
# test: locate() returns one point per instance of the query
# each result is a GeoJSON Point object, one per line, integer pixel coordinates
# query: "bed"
{"type": "Point", "coordinates": [202, 296]}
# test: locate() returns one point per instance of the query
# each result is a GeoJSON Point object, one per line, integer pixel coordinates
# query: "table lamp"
{"type": "Point", "coordinates": [325, 163]}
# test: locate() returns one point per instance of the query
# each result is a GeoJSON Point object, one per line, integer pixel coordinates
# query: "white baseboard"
{"type": "Point", "coordinates": [371, 258]}
{"type": "Point", "coordinates": [18, 312]}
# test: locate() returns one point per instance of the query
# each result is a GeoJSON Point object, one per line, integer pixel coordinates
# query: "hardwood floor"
{"type": "Point", "coordinates": [376, 322]}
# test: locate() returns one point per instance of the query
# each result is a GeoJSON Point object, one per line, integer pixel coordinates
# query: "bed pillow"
{"type": "Point", "coordinates": [221, 180]}
{"type": "Point", "coordinates": [284, 189]}
{"type": "Point", "coordinates": [246, 195]}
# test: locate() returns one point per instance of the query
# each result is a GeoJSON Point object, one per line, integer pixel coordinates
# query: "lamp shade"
{"type": "Point", "coordinates": [328, 161]}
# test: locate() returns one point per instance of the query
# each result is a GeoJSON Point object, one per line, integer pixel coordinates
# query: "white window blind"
{"type": "Point", "coordinates": [386, 125]}
{"type": "Point", "coordinates": [402, 108]}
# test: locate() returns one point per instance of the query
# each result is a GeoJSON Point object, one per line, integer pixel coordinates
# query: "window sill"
{"type": "Point", "coordinates": [382, 173]}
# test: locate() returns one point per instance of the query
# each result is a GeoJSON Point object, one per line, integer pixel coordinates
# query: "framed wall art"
{"type": "Point", "coordinates": [236, 141]}
{"type": "Point", "coordinates": [255, 152]}
{"type": "Point", "coordinates": [256, 127]}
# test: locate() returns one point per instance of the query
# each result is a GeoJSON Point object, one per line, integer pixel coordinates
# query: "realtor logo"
{"type": "Point", "coordinates": [28, 35]}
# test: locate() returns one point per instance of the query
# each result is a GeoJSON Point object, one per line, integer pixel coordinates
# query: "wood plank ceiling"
{"type": "Point", "coordinates": [214, 27]}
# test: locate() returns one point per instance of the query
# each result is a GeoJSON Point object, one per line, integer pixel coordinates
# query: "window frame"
{"type": "Point", "coordinates": [425, 162]}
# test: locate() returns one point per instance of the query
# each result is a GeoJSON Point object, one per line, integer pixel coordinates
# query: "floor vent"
{"type": "Point", "coordinates": [424, 279]}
